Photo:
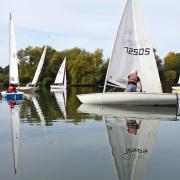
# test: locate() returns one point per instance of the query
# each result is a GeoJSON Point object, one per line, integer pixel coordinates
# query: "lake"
{"type": "Point", "coordinates": [50, 137]}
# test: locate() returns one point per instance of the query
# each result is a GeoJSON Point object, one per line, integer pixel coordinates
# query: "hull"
{"type": "Point", "coordinates": [176, 88]}
{"type": "Point", "coordinates": [57, 87]}
{"type": "Point", "coordinates": [130, 98]}
{"type": "Point", "coordinates": [27, 89]}
{"type": "Point", "coordinates": [132, 112]}
{"type": "Point", "coordinates": [12, 96]}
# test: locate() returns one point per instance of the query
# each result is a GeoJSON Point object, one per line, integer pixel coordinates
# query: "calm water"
{"type": "Point", "coordinates": [49, 138]}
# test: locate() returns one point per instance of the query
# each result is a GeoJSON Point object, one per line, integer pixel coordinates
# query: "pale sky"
{"type": "Point", "coordinates": [88, 24]}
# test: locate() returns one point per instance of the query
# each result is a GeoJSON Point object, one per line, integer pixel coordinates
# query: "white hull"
{"type": "Point", "coordinates": [129, 98]}
{"type": "Point", "coordinates": [27, 89]}
{"type": "Point", "coordinates": [176, 88]}
{"type": "Point", "coordinates": [132, 112]}
{"type": "Point", "coordinates": [58, 87]}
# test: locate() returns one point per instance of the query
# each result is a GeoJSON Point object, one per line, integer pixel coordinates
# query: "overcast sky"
{"type": "Point", "coordinates": [88, 24]}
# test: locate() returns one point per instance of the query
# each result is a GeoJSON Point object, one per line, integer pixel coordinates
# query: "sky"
{"type": "Point", "coordinates": [87, 24]}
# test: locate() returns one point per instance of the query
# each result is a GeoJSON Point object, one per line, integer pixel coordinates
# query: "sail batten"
{"type": "Point", "coordinates": [133, 51]}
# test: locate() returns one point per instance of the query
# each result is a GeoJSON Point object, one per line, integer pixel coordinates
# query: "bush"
{"type": "Point", "coordinates": [5, 83]}
{"type": "Point", "coordinates": [169, 76]}
{"type": "Point", "coordinates": [47, 82]}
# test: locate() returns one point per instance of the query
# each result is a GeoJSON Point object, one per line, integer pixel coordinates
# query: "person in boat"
{"type": "Point", "coordinates": [133, 126]}
{"type": "Point", "coordinates": [133, 80]}
{"type": "Point", "coordinates": [11, 89]}
{"type": "Point", "coordinates": [29, 84]}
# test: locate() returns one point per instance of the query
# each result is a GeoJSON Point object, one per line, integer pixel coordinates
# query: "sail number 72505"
{"type": "Point", "coordinates": [137, 51]}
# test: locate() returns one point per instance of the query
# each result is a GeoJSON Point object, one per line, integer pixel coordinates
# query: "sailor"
{"type": "Point", "coordinates": [133, 80]}
{"type": "Point", "coordinates": [133, 126]}
{"type": "Point", "coordinates": [29, 84]}
{"type": "Point", "coordinates": [10, 89]}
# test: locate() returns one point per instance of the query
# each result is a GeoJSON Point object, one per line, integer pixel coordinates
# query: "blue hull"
{"type": "Point", "coordinates": [12, 96]}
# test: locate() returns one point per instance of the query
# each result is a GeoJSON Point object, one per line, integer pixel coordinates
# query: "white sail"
{"type": "Point", "coordinates": [179, 81]}
{"type": "Point", "coordinates": [131, 151]}
{"type": "Point", "coordinates": [61, 100]}
{"type": "Point", "coordinates": [13, 60]}
{"type": "Point", "coordinates": [65, 80]}
{"type": "Point", "coordinates": [39, 68]}
{"type": "Point", "coordinates": [15, 124]}
{"type": "Point", "coordinates": [133, 51]}
{"type": "Point", "coordinates": [61, 73]}
{"type": "Point", "coordinates": [40, 113]}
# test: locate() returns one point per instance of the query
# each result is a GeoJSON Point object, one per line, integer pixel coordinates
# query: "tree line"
{"type": "Point", "coordinates": [83, 67]}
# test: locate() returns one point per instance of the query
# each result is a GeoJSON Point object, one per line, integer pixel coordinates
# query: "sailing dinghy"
{"type": "Point", "coordinates": [60, 81]}
{"type": "Point", "coordinates": [132, 50]}
{"type": "Point", "coordinates": [13, 65]}
{"type": "Point", "coordinates": [33, 86]}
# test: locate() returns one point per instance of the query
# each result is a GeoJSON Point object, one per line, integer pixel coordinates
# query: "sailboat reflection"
{"type": "Point", "coordinates": [15, 127]}
{"type": "Point", "coordinates": [61, 97]}
{"type": "Point", "coordinates": [131, 146]}
{"type": "Point", "coordinates": [133, 112]}
{"type": "Point", "coordinates": [33, 98]}
{"type": "Point", "coordinates": [132, 132]}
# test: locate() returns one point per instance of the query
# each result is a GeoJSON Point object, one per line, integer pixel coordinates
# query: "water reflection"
{"type": "Point", "coordinates": [132, 143]}
{"type": "Point", "coordinates": [133, 112]}
{"type": "Point", "coordinates": [61, 98]}
{"type": "Point", "coordinates": [132, 132]}
{"type": "Point", "coordinates": [33, 98]}
{"type": "Point", "coordinates": [119, 147]}
{"type": "Point", "coordinates": [15, 127]}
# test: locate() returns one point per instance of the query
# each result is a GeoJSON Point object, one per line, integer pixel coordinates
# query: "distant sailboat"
{"type": "Point", "coordinates": [32, 87]}
{"type": "Point", "coordinates": [15, 126]}
{"type": "Point", "coordinates": [13, 64]}
{"type": "Point", "coordinates": [60, 81]}
{"type": "Point", "coordinates": [132, 50]}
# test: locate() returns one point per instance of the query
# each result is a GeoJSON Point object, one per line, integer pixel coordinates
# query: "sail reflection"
{"type": "Point", "coordinates": [33, 98]}
{"type": "Point", "coordinates": [61, 97]}
{"type": "Point", "coordinates": [15, 127]}
{"type": "Point", "coordinates": [132, 131]}
{"type": "Point", "coordinates": [132, 143]}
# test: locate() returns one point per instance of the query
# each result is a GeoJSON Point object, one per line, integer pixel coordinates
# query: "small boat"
{"type": "Point", "coordinates": [60, 81]}
{"type": "Point", "coordinates": [12, 96]}
{"type": "Point", "coordinates": [132, 50]}
{"type": "Point", "coordinates": [32, 87]}
{"type": "Point", "coordinates": [13, 66]}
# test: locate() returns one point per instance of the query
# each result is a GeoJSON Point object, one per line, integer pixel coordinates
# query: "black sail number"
{"type": "Point", "coordinates": [137, 51]}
